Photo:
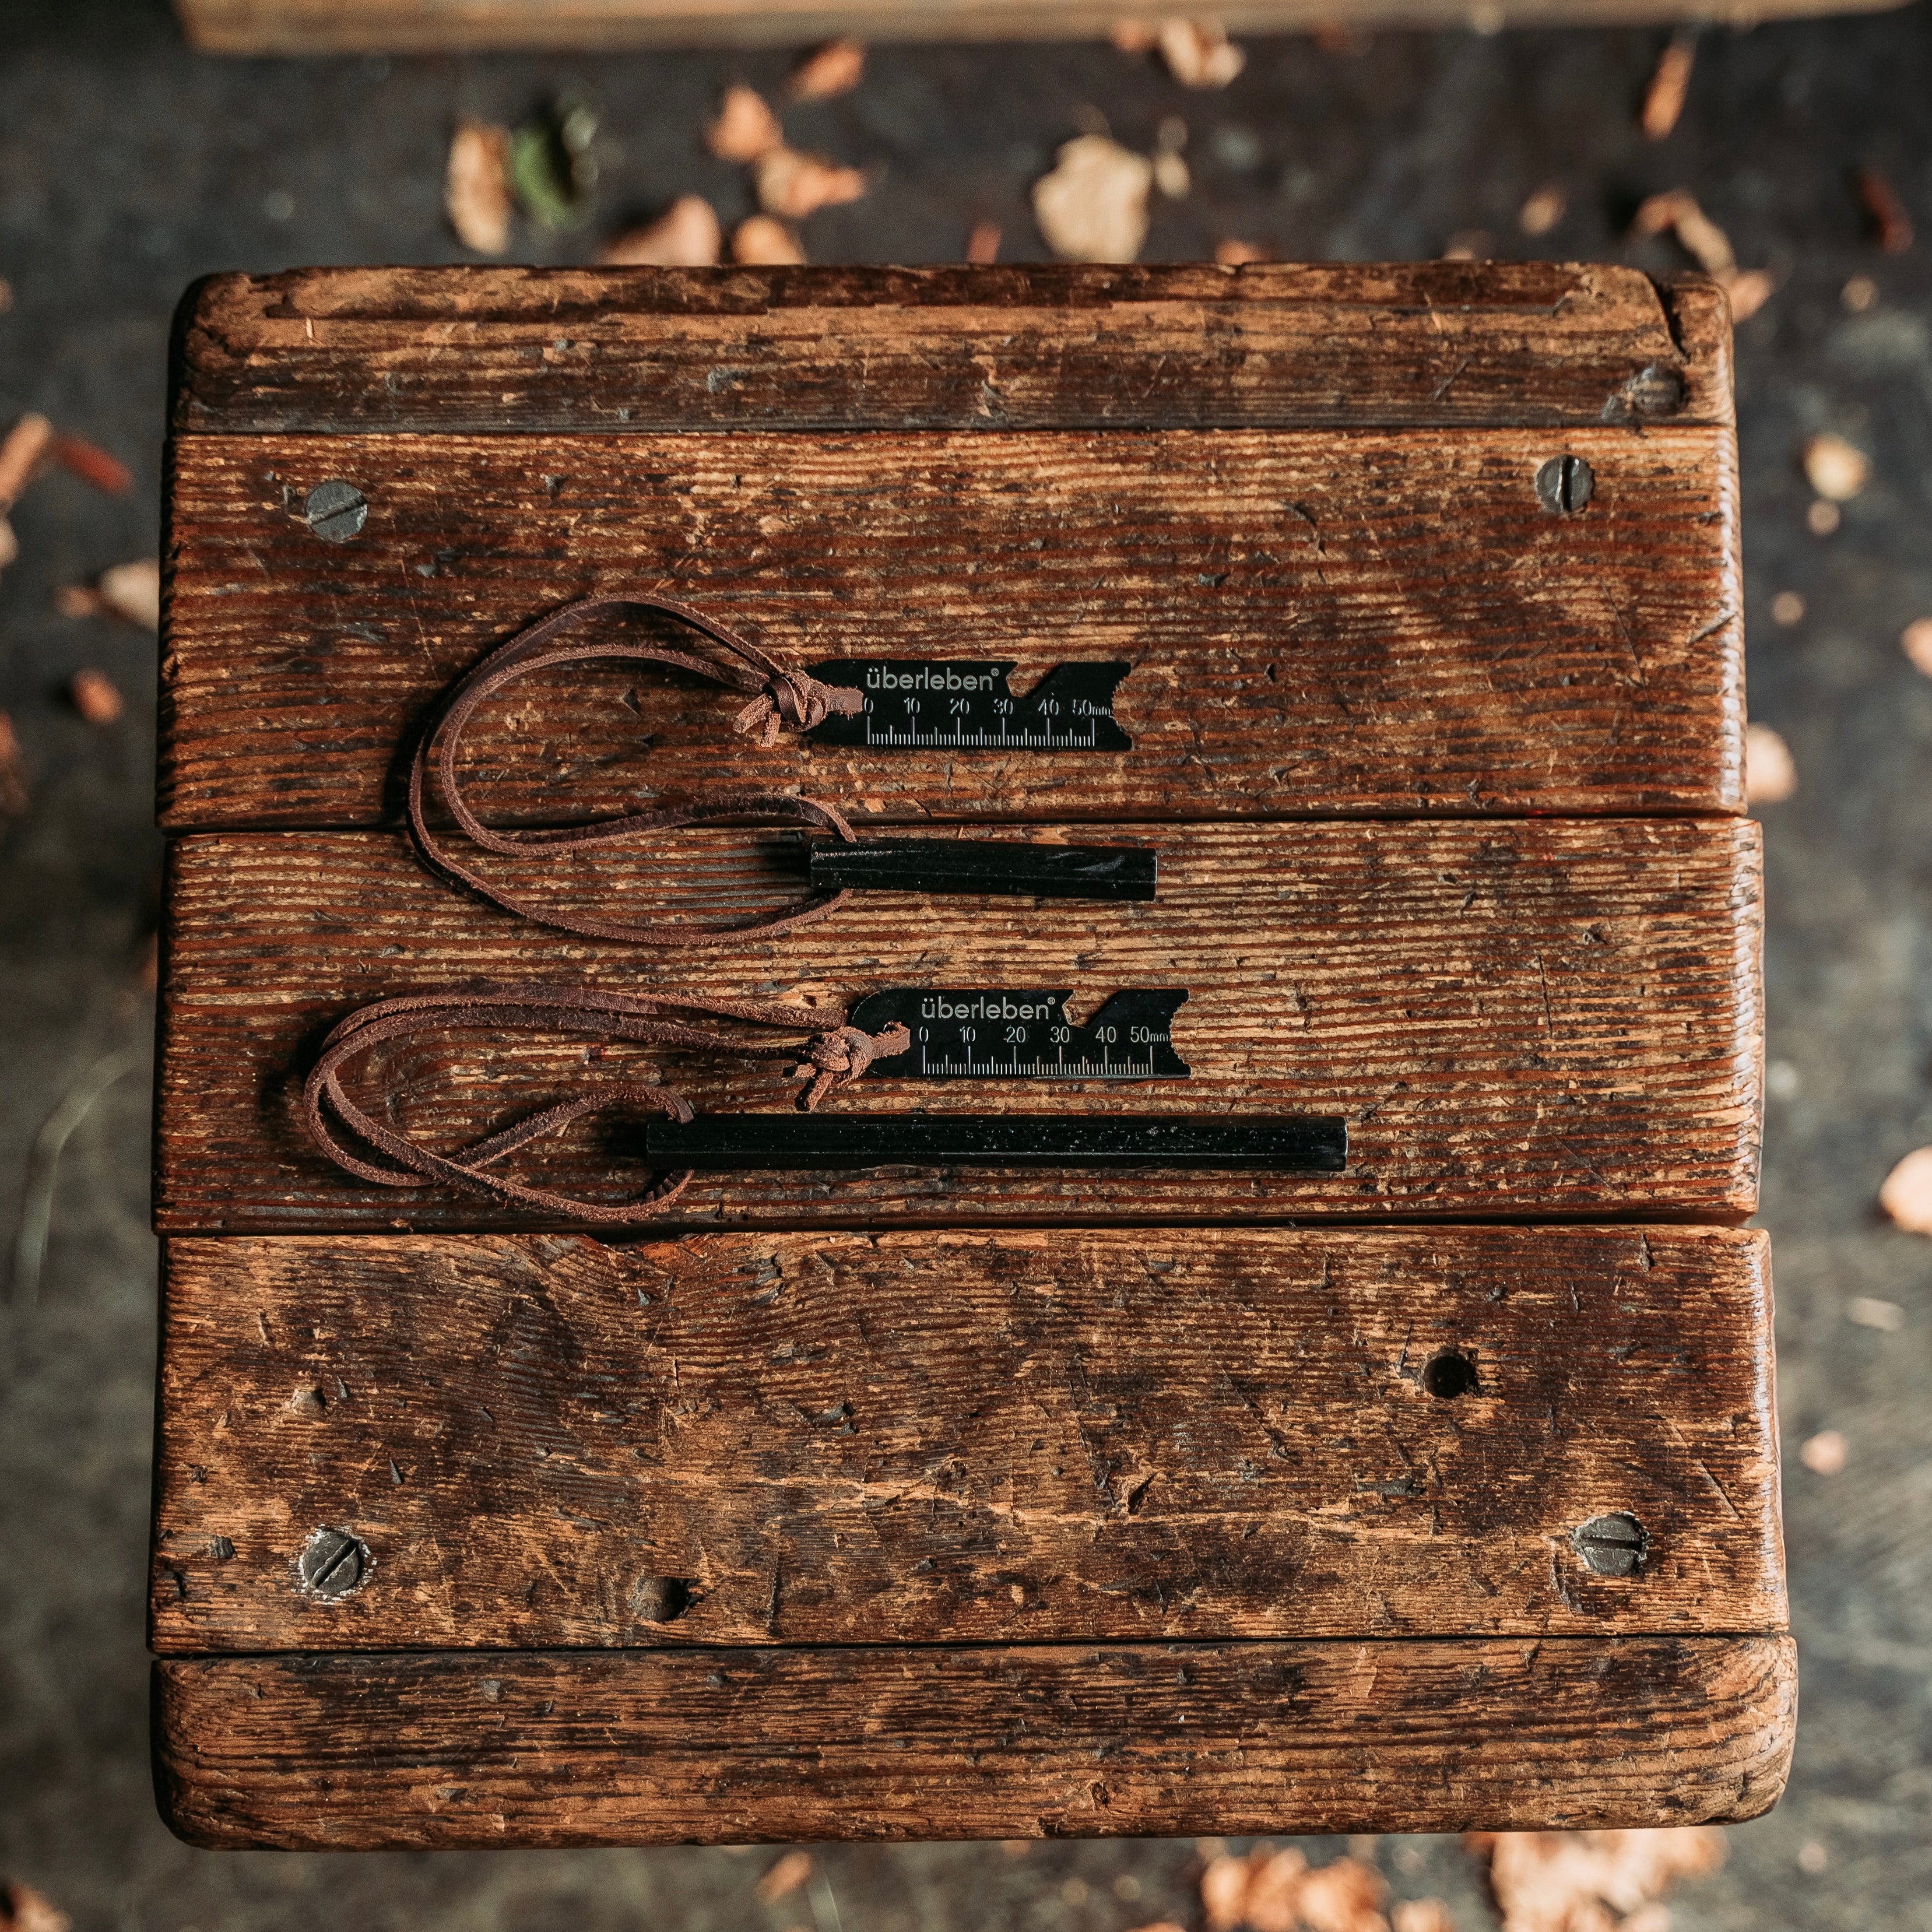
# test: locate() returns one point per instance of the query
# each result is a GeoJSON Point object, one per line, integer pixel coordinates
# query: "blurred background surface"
{"type": "Point", "coordinates": [129, 165]}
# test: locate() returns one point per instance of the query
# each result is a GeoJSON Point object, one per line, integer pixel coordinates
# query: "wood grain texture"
{"type": "Point", "coordinates": [1318, 624]}
{"type": "Point", "coordinates": [442, 26]}
{"type": "Point", "coordinates": [705, 1747]}
{"type": "Point", "coordinates": [947, 1437]}
{"type": "Point", "coordinates": [494, 350]}
{"type": "Point", "coordinates": [1543, 1018]}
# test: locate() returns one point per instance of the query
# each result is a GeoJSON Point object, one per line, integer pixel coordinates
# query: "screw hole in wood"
{"type": "Point", "coordinates": [661, 1599]}
{"type": "Point", "coordinates": [1449, 1375]}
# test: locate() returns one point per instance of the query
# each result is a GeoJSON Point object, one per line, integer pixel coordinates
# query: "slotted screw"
{"type": "Point", "coordinates": [332, 1563]}
{"type": "Point", "coordinates": [1563, 484]}
{"type": "Point", "coordinates": [1612, 1546]}
{"type": "Point", "coordinates": [335, 510]}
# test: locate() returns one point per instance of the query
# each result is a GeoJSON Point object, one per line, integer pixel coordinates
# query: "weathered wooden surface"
{"type": "Point", "coordinates": [1318, 624]}
{"type": "Point", "coordinates": [946, 1438]}
{"type": "Point", "coordinates": [651, 1747]}
{"type": "Point", "coordinates": [1542, 1018]}
{"type": "Point", "coordinates": [440, 26]}
{"type": "Point", "coordinates": [492, 350]}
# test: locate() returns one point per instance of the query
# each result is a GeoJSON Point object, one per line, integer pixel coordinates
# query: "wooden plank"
{"type": "Point", "coordinates": [1537, 1018]}
{"type": "Point", "coordinates": [442, 26]}
{"type": "Point", "coordinates": [492, 350]}
{"type": "Point", "coordinates": [701, 1747]}
{"type": "Point", "coordinates": [544, 1441]}
{"type": "Point", "coordinates": [1317, 624]}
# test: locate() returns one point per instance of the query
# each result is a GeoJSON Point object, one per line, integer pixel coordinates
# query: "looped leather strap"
{"type": "Point", "coordinates": [837, 1056]}
{"type": "Point", "coordinates": [786, 698]}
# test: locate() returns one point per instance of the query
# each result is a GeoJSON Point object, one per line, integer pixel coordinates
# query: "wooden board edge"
{"type": "Point", "coordinates": [558, 1749]}
{"type": "Point", "coordinates": [252, 28]}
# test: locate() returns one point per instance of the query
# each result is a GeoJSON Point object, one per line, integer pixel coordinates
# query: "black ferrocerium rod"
{"type": "Point", "coordinates": [985, 866]}
{"type": "Point", "coordinates": [1283, 1143]}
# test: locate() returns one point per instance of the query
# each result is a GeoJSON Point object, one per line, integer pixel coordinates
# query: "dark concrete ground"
{"type": "Point", "coordinates": [128, 165]}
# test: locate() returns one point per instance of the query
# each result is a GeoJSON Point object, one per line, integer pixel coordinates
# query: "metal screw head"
{"type": "Point", "coordinates": [661, 1599]}
{"type": "Point", "coordinates": [1563, 484]}
{"type": "Point", "coordinates": [333, 1562]}
{"type": "Point", "coordinates": [1657, 390]}
{"type": "Point", "coordinates": [335, 510]}
{"type": "Point", "coordinates": [1611, 1546]}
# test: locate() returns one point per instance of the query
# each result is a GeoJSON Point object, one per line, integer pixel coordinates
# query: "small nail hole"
{"type": "Point", "coordinates": [1448, 1375]}
{"type": "Point", "coordinates": [662, 1600]}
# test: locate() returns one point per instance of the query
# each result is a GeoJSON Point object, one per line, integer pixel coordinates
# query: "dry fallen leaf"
{"type": "Point", "coordinates": [1170, 174]}
{"type": "Point", "coordinates": [1867, 1311]}
{"type": "Point", "coordinates": [1160, 1925]}
{"type": "Point", "coordinates": [1421, 1915]}
{"type": "Point", "coordinates": [78, 600]}
{"type": "Point", "coordinates": [789, 1873]}
{"type": "Point", "coordinates": [1787, 608]}
{"type": "Point", "coordinates": [93, 465]}
{"type": "Point", "coordinates": [1907, 1195]}
{"type": "Point", "coordinates": [1233, 254]}
{"type": "Point", "coordinates": [1587, 1881]}
{"type": "Point", "coordinates": [1771, 776]}
{"type": "Point", "coordinates": [1542, 211]}
{"type": "Point", "coordinates": [686, 235]}
{"type": "Point", "coordinates": [1135, 36]}
{"type": "Point", "coordinates": [1858, 294]}
{"type": "Point", "coordinates": [758, 241]}
{"type": "Point", "coordinates": [22, 450]}
{"type": "Point", "coordinates": [13, 771]}
{"type": "Point", "coordinates": [1470, 244]}
{"type": "Point", "coordinates": [133, 592]}
{"type": "Point", "coordinates": [1663, 99]}
{"type": "Point", "coordinates": [794, 185]}
{"type": "Point", "coordinates": [1891, 226]}
{"type": "Point", "coordinates": [983, 245]}
{"type": "Point", "coordinates": [745, 128]}
{"type": "Point", "coordinates": [24, 1910]}
{"type": "Point", "coordinates": [1275, 1880]}
{"type": "Point", "coordinates": [9, 545]}
{"type": "Point", "coordinates": [1198, 53]}
{"type": "Point", "coordinates": [1916, 640]}
{"type": "Point", "coordinates": [1824, 1454]}
{"type": "Point", "coordinates": [1813, 1857]}
{"type": "Point", "coordinates": [95, 696]}
{"type": "Point", "coordinates": [1822, 518]}
{"type": "Point", "coordinates": [1224, 1892]}
{"type": "Point", "coordinates": [1346, 1896]}
{"type": "Point", "coordinates": [836, 67]}
{"type": "Point", "coordinates": [1093, 207]}
{"type": "Point", "coordinates": [1676, 210]}
{"type": "Point", "coordinates": [476, 186]}
{"type": "Point", "coordinates": [1749, 289]}
{"type": "Point", "coordinates": [1835, 468]}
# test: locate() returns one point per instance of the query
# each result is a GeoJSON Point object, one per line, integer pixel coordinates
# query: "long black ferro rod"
{"type": "Point", "coordinates": [1283, 1143]}
{"type": "Point", "coordinates": [985, 866]}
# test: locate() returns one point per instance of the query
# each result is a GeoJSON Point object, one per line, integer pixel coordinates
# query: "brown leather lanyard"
{"type": "Point", "coordinates": [784, 699]}
{"type": "Point", "coordinates": [834, 1054]}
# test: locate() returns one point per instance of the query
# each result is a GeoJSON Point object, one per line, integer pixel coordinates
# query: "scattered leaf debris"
{"type": "Point", "coordinates": [1421, 1915]}
{"type": "Point", "coordinates": [132, 592]}
{"type": "Point", "coordinates": [1836, 470]}
{"type": "Point", "coordinates": [983, 245]}
{"type": "Point", "coordinates": [835, 68]}
{"type": "Point", "coordinates": [1915, 641]}
{"type": "Point", "coordinates": [745, 128]}
{"type": "Point", "coordinates": [1093, 206]}
{"type": "Point", "coordinates": [24, 1910]}
{"type": "Point", "coordinates": [686, 235]}
{"type": "Point", "coordinates": [13, 771]}
{"type": "Point", "coordinates": [1787, 608]}
{"type": "Point", "coordinates": [1868, 1311]}
{"type": "Point", "coordinates": [758, 241]}
{"type": "Point", "coordinates": [1171, 173]}
{"type": "Point", "coordinates": [94, 695]}
{"type": "Point", "coordinates": [1135, 36]}
{"type": "Point", "coordinates": [1824, 1454]}
{"type": "Point", "coordinates": [1676, 212]}
{"type": "Point", "coordinates": [23, 449]}
{"type": "Point", "coordinates": [1670, 83]}
{"type": "Point", "coordinates": [1592, 1881]}
{"type": "Point", "coordinates": [789, 1872]}
{"type": "Point", "coordinates": [1821, 516]}
{"type": "Point", "coordinates": [793, 185]}
{"type": "Point", "coordinates": [1812, 1857]}
{"type": "Point", "coordinates": [1231, 254]}
{"type": "Point", "coordinates": [1907, 1197]}
{"type": "Point", "coordinates": [1345, 1896]}
{"type": "Point", "coordinates": [1198, 53]}
{"type": "Point", "coordinates": [1890, 225]}
{"type": "Point", "coordinates": [1770, 774]}
{"type": "Point", "coordinates": [1858, 294]}
{"type": "Point", "coordinates": [553, 166]}
{"type": "Point", "coordinates": [1269, 1891]}
{"type": "Point", "coordinates": [476, 186]}
{"type": "Point", "coordinates": [1543, 210]}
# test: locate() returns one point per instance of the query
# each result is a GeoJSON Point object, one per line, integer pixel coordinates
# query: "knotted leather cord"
{"type": "Point", "coordinates": [786, 698]}
{"type": "Point", "coordinates": [835, 1057]}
